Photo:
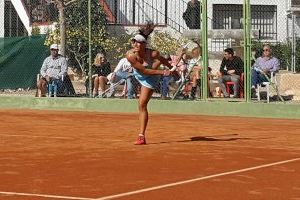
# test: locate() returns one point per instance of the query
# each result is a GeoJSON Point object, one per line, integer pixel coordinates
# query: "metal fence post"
{"type": "Point", "coordinates": [90, 48]}
{"type": "Point", "coordinates": [247, 49]}
{"type": "Point", "coordinates": [204, 39]}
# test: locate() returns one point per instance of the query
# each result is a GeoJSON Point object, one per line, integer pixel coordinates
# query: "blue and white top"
{"type": "Point", "coordinates": [149, 81]}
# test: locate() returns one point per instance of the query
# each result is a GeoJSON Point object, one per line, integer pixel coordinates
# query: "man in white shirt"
{"type": "Point", "coordinates": [54, 68]}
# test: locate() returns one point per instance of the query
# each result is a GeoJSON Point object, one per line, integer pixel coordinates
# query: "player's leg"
{"type": "Point", "coordinates": [145, 96]}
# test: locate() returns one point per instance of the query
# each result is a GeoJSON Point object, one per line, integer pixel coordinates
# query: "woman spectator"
{"type": "Point", "coordinates": [100, 70]}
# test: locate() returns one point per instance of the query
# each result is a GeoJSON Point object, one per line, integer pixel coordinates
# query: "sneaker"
{"type": "Point", "coordinates": [140, 140]}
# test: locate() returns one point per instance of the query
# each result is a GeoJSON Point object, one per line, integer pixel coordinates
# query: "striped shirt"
{"type": "Point", "coordinates": [270, 64]}
{"type": "Point", "coordinates": [54, 67]}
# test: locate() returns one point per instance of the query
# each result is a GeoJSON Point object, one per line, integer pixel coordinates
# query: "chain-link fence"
{"type": "Point", "coordinates": [27, 31]}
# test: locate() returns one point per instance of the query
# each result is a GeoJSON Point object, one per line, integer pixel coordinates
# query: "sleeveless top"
{"type": "Point", "coordinates": [149, 81]}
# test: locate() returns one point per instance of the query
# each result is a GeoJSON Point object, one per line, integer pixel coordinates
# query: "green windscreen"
{"type": "Point", "coordinates": [20, 61]}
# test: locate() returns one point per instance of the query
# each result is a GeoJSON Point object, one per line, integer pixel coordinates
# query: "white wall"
{"type": "Point", "coordinates": [2, 18]}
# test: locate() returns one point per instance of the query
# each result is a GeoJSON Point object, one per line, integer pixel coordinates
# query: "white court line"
{"type": "Point", "coordinates": [43, 195]}
{"type": "Point", "coordinates": [35, 136]}
{"type": "Point", "coordinates": [156, 187]}
{"type": "Point", "coordinates": [194, 180]}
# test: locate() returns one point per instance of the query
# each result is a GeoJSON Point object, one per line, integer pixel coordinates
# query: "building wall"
{"type": "Point", "coordinates": [1, 18]}
{"type": "Point", "coordinates": [281, 13]}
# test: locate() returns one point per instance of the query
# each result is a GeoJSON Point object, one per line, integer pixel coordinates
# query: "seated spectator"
{"type": "Point", "coordinates": [195, 75]}
{"type": "Point", "coordinates": [179, 62]}
{"type": "Point", "coordinates": [100, 70]}
{"type": "Point", "coordinates": [165, 80]}
{"type": "Point", "coordinates": [123, 71]}
{"type": "Point", "coordinates": [54, 69]}
{"type": "Point", "coordinates": [230, 70]}
{"type": "Point", "coordinates": [263, 67]}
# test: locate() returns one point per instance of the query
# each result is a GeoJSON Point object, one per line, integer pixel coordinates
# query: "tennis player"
{"type": "Point", "coordinates": [145, 63]}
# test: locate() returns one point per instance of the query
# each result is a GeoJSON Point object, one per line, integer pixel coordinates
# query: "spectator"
{"type": "Point", "coordinates": [179, 62]}
{"type": "Point", "coordinates": [230, 70]}
{"type": "Point", "coordinates": [195, 75]}
{"type": "Point", "coordinates": [262, 67]}
{"type": "Point", "coordinates": [165, 80]}
{"type": "Point", "coordinates": [123, 71]}
{"type": "Point", "coordinates": [191, 15]}
{"type": "Point", "coordinates": [100, 70]}
{"type": "Point", "coordinates": [54, 69]}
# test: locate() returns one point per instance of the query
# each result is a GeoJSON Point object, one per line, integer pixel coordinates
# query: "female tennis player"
{"type": "Point", "coordinates": [145, 63]}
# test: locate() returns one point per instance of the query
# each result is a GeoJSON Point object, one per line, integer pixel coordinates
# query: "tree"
{"type": "Point", "coordinates": [73, 28]}
{"type": "Point", "coordinates": [61, 6]}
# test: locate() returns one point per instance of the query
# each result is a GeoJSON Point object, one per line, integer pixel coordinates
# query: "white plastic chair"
{"type": "Point", "coordinates": [266, 84]}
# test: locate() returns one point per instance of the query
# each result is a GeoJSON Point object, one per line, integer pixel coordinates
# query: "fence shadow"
{"type": "Point", "coordinates": [212, 138]}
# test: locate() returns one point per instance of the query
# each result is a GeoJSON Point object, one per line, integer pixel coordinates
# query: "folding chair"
{"type": "Point", "coordinates": [230, 84]}
{"type": "Point", "coordinates": [272, 81]}
{"type": "Point", "coordinates": [106, 92]}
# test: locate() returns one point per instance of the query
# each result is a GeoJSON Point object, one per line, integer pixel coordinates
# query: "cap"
{"type": "Point", "coordinates": [54, 46]}
{"type": "Point", "coordinates": [139, 38]}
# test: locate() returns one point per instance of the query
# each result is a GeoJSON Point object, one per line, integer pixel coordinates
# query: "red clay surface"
{"type": "Point", "coordinates": [51, 155]}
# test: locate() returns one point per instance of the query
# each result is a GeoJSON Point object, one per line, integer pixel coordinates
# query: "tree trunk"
{"type": "Point", "coordinates": [62, 22]}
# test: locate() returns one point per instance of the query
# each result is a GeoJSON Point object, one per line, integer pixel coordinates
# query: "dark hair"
{"type": "Point", "coordinates": [147, 29]}
{"type": "Point", "coordinates": [229, 50]}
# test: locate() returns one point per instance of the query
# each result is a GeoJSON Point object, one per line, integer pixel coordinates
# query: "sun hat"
{"type": "Point", "coordinates": [139, 38]}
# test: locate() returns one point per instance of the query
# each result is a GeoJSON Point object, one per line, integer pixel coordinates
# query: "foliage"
{"type": "Point", "coordinates": [35, 30]}
{"type": "Point", "coordinates": [122, 43]}
{"type": "Point", "coordinates": [77, 26]}
{"type": "Point", "coordinates": [52, 36]}
{"type": "Point", "coordinates": [165, 43]}
{"type": "Point", "coordinates": [298, 55]}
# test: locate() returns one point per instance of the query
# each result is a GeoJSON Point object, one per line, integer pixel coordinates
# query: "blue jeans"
{"type": "Point", "coordinates": [55, 86]}
{"type": "Point", "coordinates": [257, 78]}
{"type": "Point", "coordinates": [128, 78]}
{"type": "Point", "coordinates": [165, 85]}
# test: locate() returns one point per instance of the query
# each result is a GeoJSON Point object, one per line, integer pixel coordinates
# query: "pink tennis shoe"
{"type": "Point", "coordinates": [141, 140]}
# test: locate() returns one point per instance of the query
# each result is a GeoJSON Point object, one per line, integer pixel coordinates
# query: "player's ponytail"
{"type": "Point", "coordinates": [147, 29]}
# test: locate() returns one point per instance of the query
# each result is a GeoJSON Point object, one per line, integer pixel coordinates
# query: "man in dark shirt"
{"type": "Point", "coordinates": [191, 15]}
{"type": "Point", "coordinates": [231, 69]}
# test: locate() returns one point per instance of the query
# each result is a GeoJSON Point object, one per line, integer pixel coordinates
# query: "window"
{"type": "Point", "coordinates": [263, 18]}
{"type": "Point", "coordinates": [13, 26]}
{"type": "Point", "coordinates": [40, 11]}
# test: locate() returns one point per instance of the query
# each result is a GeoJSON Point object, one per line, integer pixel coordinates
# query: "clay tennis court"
{"type": "Point", "coordinates": [50, 155]}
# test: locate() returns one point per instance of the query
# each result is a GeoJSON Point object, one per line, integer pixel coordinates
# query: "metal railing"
{"type": "Point", "coordinates": [136, 12]}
